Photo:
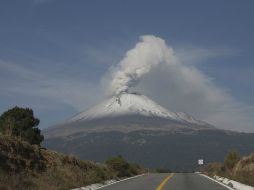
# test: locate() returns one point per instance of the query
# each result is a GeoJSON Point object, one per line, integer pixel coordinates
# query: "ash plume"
{"type": "Point", "coordinates": [146, 54]}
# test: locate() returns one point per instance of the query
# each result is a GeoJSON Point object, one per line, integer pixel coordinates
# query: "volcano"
{"type": "Point", "coordinates": [126, 112]}
{"type": "Point", "coordinates": [132, 104]}
{"type": "Point", "coordinates": [136, 127]}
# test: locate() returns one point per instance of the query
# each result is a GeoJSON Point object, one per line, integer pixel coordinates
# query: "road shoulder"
{"type": "Point", "coordinates": [215, 181]}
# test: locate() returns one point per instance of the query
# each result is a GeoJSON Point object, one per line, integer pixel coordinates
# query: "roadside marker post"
{"type": "Point", "coordinates": [200, 163]}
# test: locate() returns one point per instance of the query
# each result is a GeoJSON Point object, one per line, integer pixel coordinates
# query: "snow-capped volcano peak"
{"type": "Point", "coordinates": [129, 104]}
{"type": "Point", "coordinates": [127, 112]}
{"type": "Point", "coordinates": [125, 104]}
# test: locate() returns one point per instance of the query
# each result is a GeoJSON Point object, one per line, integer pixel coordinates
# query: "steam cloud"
{"type": "Point", "coordinates": [138, 61]}
{"type": "Point", "coordinates": [185, 87]}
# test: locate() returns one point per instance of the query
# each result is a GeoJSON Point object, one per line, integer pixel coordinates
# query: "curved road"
{"type": "Point", "coordinates": [178, 181]}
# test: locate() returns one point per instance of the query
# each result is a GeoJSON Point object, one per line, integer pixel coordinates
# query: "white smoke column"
{"type": "Point", "coordinates": [138, 61]}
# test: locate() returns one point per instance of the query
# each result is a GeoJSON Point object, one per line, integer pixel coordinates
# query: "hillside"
{"type": "Point", "coordinates": [242, 169]}
{"type": "Point", "coordinates": [178, 149]}
{"type": "Point", "coordinates": [24, 166]}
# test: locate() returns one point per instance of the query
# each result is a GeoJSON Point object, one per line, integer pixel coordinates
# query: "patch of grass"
{"type": "Point", "coordinates": [20, 181]}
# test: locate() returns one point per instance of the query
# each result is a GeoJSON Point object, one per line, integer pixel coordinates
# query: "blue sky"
{"type": "Point", "coordinates": [54, 54]}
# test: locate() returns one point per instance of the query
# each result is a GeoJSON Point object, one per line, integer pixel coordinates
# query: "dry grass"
{"type": "Point", "coordinates": [25, 166]}
{"type": "Point", "coordinates": [243, 171]}
{"type": "Point", "coordinates": [28, 167]}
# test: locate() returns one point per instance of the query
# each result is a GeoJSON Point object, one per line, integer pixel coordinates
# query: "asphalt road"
{"type": "Point", "coordinates": [179, 181]}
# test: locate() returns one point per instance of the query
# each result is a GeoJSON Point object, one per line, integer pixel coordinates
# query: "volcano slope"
{"type": "Point", "coordinates": [144, 132]}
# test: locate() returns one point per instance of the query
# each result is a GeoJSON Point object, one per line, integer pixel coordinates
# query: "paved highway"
{"type": "Point", "coordinates": [179, 181]}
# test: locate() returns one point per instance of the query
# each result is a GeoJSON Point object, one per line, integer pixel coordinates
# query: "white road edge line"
{"type": "Point", "coordinates": [121, 181]}
{"type": "Point", "coordinates": [216, 181]}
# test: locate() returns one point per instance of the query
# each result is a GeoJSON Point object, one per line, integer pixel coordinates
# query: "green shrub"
{"type": "Point", "coordinates": [21, 123]}
{"type": "Point", "coordinates": [122, 168]}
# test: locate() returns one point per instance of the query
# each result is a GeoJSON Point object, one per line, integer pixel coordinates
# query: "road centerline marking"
{"type": "Point", "coordinates": [164, 182]}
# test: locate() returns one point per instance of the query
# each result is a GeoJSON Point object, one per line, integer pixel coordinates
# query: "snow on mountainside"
{"type": "Point", "coordinates": [130, 104]}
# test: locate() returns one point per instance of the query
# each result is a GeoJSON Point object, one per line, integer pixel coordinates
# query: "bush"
{"type": "Point", "coordinates": [122, 168]}
{"type": "Point", "coordinates": [231, 159]}
{"type": "Point", "coordinates": [21, 123]}
{"type": "Point", "coordinates": [119, 165]}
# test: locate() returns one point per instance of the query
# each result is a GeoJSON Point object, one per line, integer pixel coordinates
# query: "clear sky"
{"type": "Point", "coordinates": [55, 55]}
